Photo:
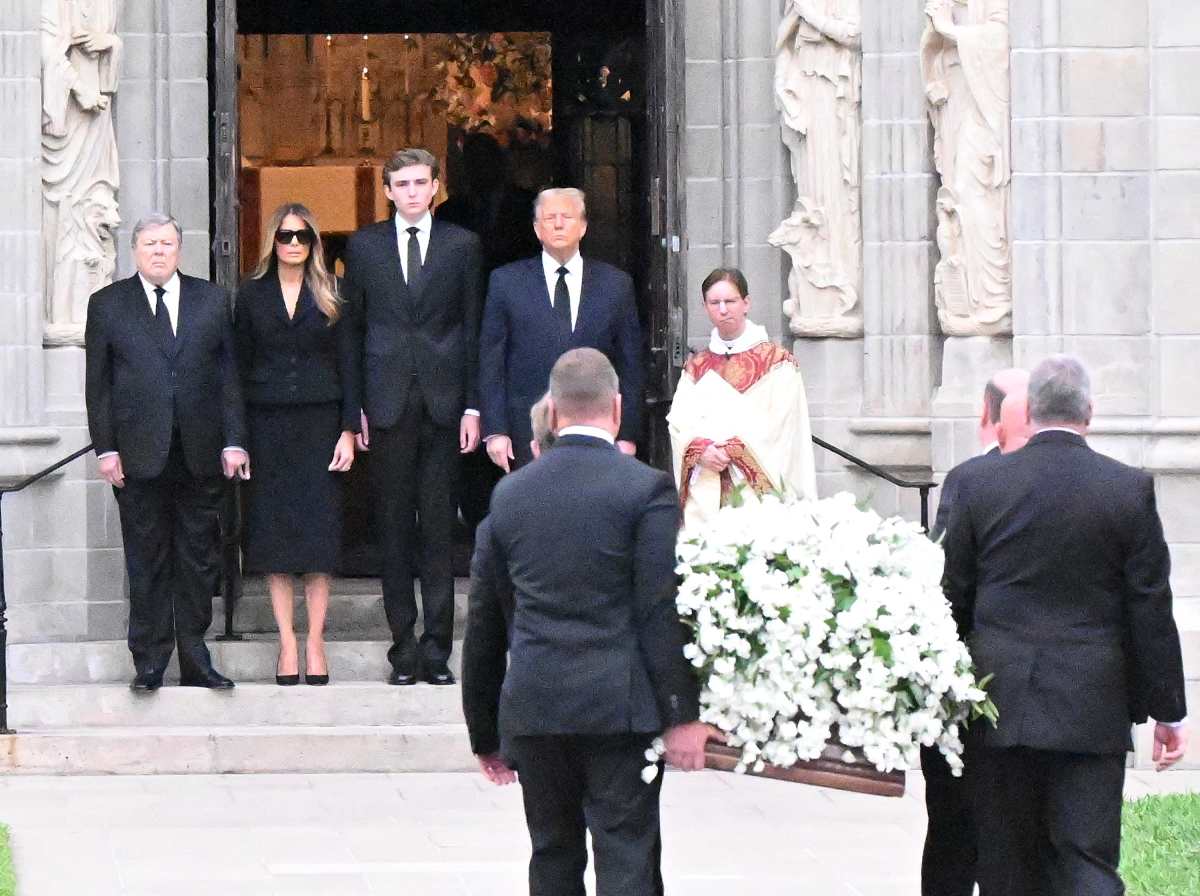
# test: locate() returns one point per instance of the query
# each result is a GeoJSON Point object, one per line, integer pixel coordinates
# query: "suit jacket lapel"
{"type": "Point", "coordinates": [404, 296]}
{"type": "Point", "coordinates": [539, 292]}
{"type": "Point", "coordinates": [185, 321]}
{"type": "Point", "coordinates": [587, 290]}
{"type": "Point", "coordinates": [139, 309]}
{"type": "Point", "coordinates": [434, 254]}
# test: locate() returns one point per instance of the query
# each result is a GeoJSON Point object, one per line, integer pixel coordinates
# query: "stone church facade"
{"type": "Point", "coordinates": [1098, 210]}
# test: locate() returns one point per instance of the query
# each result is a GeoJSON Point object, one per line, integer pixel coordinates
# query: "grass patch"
{"type": "Point", "coordinates": [1160, 845]}
{"type": "Point", "coordinates": [8, 880]}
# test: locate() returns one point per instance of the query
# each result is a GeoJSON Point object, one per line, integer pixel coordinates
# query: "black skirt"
{"type": "Point", "coordinates": [293, 504]}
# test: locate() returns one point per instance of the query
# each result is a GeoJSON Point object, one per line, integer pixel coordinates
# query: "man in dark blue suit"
{"type": "Point", "coordinates": [541, 307]}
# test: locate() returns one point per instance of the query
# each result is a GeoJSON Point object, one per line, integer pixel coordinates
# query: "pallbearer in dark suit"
{"type": "Point", "coordinates": [416, 286]}
{"type": "Point", "coordinates": [298, 362]}
{"type": "Point", "coordinates": [948, 861]}
{"type": "Point", "coordinates": [1058, 572]}
{"type": "Point", "coordinates": [166, 418]}
{"type": "Point", "coordinates": [539, 308]}
{"type": "Point", "coordinates": [579, 554]}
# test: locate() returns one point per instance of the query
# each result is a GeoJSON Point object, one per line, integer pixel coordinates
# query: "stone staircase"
{"type": "Point", "coordinates": [73, 712]}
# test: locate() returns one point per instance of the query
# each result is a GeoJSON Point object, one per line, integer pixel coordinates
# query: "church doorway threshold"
{"type": "Point", "coordinates": [310, 98]}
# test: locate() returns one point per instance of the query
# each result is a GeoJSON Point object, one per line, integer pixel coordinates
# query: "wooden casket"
{"type": "Point", "coordinates": [828, 771]}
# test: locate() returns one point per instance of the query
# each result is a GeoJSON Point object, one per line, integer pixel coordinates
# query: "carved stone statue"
{"type": "Point", "coordinates": [80, 59]}
{"type": "Point", "coordinates": [818, 90]}
{"type": "Point", "coordinates": [964, 61]}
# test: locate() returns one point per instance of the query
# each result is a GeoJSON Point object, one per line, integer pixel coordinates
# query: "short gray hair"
{"type": "Point", "coordinates": [1060, 391]}
{"type": "Point", "coordinates": [154, 219]}
{"type": "Point", "coordinates": [583, 384]}
{"type": "Point", "coordinates": [539, 421]}
{"type": "Point", "coordinates": [561, 193]}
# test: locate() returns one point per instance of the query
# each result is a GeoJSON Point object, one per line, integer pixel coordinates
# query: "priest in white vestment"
{"type": "Point", "coordinates": [740, 416]}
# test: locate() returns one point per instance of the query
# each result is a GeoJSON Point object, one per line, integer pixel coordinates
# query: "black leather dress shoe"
{"type": "Point", "coordinates": [211, 679]}
{"type": "Point", "coordinates": [402, 677]}
{"type": "Point", "coordinates": [439, 675]}
{"type": "Point", "coordinates": [146, 682]}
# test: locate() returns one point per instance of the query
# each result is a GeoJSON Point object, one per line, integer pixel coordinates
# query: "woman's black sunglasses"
{"type": "Point", "coordinates": [305, 236]}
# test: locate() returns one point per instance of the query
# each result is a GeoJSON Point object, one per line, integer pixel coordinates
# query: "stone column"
{"type": "Point", "coordinates": [20, 225]}
{"type": "Point", "coordinates": [736, 189]}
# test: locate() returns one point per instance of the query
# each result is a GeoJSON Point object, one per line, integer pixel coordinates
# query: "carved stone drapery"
{"type": "Point", "coordinates": [80, 62]}
{"type": "Point", "coordinates": [818, 90]}
{"type": "Point", "coordinates": [965, 64]}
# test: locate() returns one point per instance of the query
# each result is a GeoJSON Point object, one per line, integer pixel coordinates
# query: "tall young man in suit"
{"type": "Point", "coordinates": [539, 308]}
{"type": "Point", "coordinates": [415, 286]}
{"type": "Point", "coordinates": [166, 419]}
{"type": "Point", "coordinates": [1057, 569]}
{"type": "Point", "coordinates": [948, 860]}
{"type": "Point", "coordinates": [581, 550]}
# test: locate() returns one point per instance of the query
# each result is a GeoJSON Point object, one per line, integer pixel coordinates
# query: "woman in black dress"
{"type": "Point", "coordinates": [295, 352]}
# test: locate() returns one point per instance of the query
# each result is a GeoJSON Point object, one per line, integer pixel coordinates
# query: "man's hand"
{"type": "Point", "coordinates": [499, 449]}
{"type": "Point", "coordinates": [685, 744]}
{"type": "Point", "coordinates": [363, 439]}
{"type": "Point", "coordinates": [111, 470]}
{"type": "Point", "coordinates": [496, 770]}
{"type": "Point", "coordinates": [468, 433]}
{"type": "Point", "coordinates": [343, 453]}
{"type": "Point", "coordinates": [627, 447]}
{"type": "Point", "coordinates": [714, 458]}
{"type": "Point", "coordinates": [1170, 743]}
{"type": "Point", "coordinates": [236, 463]}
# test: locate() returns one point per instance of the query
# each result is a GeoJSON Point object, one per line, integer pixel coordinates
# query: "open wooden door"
{"type": "Point", "coordinates": [664, 191]}
{"type": "Point", "coordinates": [223, 80]}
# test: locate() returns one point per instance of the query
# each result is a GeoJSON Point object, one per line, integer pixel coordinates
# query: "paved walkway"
{"type": "Point", "coordinates": [443, 835]}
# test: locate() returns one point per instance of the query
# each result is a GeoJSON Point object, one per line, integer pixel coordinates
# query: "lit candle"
{"type": "Point", "coordinates": [328, 64]}
{"type": "Point", "coordinates": [366, 95]}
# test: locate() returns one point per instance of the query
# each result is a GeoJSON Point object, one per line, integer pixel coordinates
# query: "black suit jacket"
{"type": "Point", "coordinates": [297, 360]}
{"type": "Point", "coordinates": [950, 488]}
{"type": "Point", "coordinates": [1056, 563]}
{"type": "Point", "coordinates": [424, 336]}
{"type": "Point", "coordinates": [489, 619]}
{"type": "Point", "coordinates": [585, 539]}
{"type": "Point", "coordinates": [522, 338]}
{"type": "Point", "coordinates": [137, 392]}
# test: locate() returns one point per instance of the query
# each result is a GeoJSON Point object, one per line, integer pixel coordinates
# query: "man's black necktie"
{"type": "Point", "coordinates": [162, 322]}
{"type": "Point", "coordinates": [562, 300]}
{"type": "Point", "coordinates": [414, 255]}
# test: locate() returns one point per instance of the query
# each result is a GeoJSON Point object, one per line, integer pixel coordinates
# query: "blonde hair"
{"type": "Point", "coordinates": [320, 281]}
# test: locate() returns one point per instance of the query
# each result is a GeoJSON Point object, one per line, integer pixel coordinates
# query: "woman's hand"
{"type": "Point", "coordinates": [343, 453]}
{"type": "Point", "coordinates": [714, 458]}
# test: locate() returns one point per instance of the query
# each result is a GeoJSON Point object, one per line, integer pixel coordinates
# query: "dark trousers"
{"type": "Point", "coordinates": [948, 862]}
{"type": "Point", "coordinates": [1049, 823]}
{"type": "Point", "coordinates": [413, 467]}
{"type": "Point", "coordinates": [169, 525]}
{"type": "Point", "coordinates": [573, 784]}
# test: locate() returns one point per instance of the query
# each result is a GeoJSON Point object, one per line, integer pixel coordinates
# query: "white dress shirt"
{"type": "Point", "coordinates": [170, 298]}
{"type": "Point", "coordinates": [402, 235]}
{"type": "Point", "coordinates": [594, 432]}
{"type": "Point", "coordinates": [574, 279]}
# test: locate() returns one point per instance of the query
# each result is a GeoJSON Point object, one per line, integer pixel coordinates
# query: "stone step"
{"type": "Point", "coordinates": [357, 612]}
{"type": "Point", "coordinates": [253, 659]}
{"type": "Point", "coordinates": [237, 750]}
{"type": "Point", "coordinates": [38, 707]}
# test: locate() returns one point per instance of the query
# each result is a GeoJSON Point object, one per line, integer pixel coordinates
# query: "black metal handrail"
{"type": "Point", "coordinates": [5, 490]}
{"type": "Point", "coordinates": [922, 486]}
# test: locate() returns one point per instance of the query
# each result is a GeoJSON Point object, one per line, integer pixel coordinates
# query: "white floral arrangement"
{"type": "Point", "coordinates": [816, 621]}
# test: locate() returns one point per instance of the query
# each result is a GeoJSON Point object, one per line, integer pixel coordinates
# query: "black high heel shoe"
{"type": "Point", "coordinates": [285, 680]}
{"type": "Point", "coordinates": [317, 680]}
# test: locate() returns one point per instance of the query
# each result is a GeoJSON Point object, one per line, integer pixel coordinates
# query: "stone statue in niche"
{"type": "Point", "coordinates": [80, 61]}
{"type": "Point", "coordinates": [818, 90]}
{"type": "Point", "coordinates": [965, 64]}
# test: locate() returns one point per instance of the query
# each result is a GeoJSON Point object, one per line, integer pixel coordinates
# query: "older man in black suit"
{"type": "Point", "coordinates": [948, 861]}
{"type": "Point", "coordinates": [581, 555]}
{"type": "Point", "coordinates": [540, 307]}
{"type": "Point", "coordinates": [416, 287]}
{"type": "Point", "coordinates": [166, 418]}
{"type": "Point", "coordinates": [1057, 569]}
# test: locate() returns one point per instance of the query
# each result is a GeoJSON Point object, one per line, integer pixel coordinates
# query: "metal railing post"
{"type": "Point", "coordinates": [3, 633]}
{"type": "Point", "coordinates": [231, 560]}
